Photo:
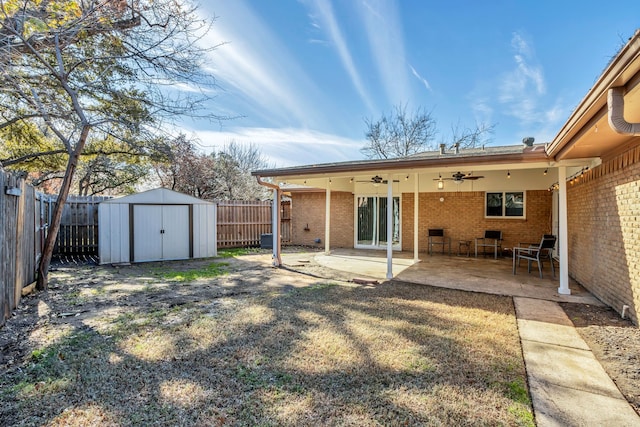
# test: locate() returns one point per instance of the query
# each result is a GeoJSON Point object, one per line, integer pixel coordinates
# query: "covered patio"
{"type": "Point", "coordinates": [486, 275]}
{"type": "Point", "coordinates": [393, 204]}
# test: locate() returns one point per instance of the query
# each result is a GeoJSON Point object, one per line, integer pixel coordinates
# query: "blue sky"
{"type": "Point", "coordinates": [303, 75]}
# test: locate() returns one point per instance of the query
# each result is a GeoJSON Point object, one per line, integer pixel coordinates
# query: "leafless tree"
{"type": "Point", "coordinates": [402, 134]}
{"type": "Point", "coordinates": [234, 165]}
{"type": "Point", "coordinates": [399, 134]}
{"type": "Point", "coordinates": [470, 137]}
{"type": "Point", "coordinates": [222, 175]}
{"type": "Point", "coordinates": [183, 168]}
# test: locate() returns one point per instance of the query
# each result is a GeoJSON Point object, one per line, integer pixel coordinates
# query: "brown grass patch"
{"type": "Point", "coordinates": [289, 351]}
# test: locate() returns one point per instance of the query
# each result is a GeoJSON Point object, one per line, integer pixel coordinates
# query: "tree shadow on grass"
{"type": "Point", "coordinates": [291, 352]}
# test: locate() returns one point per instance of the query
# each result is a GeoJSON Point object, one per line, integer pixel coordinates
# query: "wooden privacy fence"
{"type": "Point", "coordinates": [241, 223]}
{"type": "Point", "coordinates": [25, 216]}
{"type": "Point", "coordinates": [20, 242]}
{"type": "Point", "coordinates": [78, 233]}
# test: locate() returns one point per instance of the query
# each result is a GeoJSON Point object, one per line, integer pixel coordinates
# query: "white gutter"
{"type": "Point", "coordinates": [275, 221]}
{"type": "Point", "coordinates": [615, 102]}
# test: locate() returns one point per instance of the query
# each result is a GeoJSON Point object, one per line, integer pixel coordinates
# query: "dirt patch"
{"type": "Point", "coordinates": [614, 341]}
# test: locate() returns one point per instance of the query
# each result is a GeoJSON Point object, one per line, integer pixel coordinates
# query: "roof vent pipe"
{"type": "Point", "coordinates": [528, 141]}
{"type": "Point", "coordinates": [456, 146]}
{"type": "Point", "coordinates": [615, 101]}
{"type": "Point", "coordinates": [442, 148]}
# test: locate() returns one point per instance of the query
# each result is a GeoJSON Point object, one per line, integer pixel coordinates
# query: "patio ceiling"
{"type": "Point", "coordinates": [525, 165]}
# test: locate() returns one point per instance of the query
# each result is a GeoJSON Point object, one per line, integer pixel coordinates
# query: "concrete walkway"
{"type": "Point", "coordinates": [568, 385]}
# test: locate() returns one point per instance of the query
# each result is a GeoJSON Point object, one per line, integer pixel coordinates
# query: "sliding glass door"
{"type": "Point", "coordinates": [371, 222]}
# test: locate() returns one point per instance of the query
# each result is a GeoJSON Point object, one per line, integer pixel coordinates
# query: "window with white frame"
{"type": "Point", "coordinates": [505, 204]}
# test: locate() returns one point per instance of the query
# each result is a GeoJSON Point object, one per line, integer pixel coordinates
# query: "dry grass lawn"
{"type": "Point", "coordinates": [239, 343]}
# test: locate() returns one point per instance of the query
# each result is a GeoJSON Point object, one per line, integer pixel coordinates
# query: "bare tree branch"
{"type": "Point", "coordinates": [402, 134]}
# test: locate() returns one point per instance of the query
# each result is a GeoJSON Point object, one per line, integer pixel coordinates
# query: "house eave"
{"type": "Point", "coordinates": [534, 154]}
{"type": "Point", "coordinates": [577, 134]}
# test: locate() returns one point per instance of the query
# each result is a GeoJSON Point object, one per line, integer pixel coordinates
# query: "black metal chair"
{"type": "Point", "coordinates": [536, 253]}
{"type": "Point", "coordinates": [491, 239]}
{"type": "Point", "coordinates": [437, 237]}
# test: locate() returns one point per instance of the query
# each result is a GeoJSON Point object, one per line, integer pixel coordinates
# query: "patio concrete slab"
{"type": "Point", "coordinates": [567, 383]}
{"type": "Point", "coordinates": [491, 276]}
{"type": "Point", "coordinates": [486, 275]}
{"type": "Point", "coordinates": [363, 264]}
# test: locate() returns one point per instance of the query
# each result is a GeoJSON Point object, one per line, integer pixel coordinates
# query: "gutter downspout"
{"type": "Point", "coordinates": [275, 220]}
{"type": "Point", "coordinates": [615, 102]}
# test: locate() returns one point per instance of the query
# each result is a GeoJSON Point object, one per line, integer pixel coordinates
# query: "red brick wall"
{"type": "Point", "coordinates": [604, 232]}
{"type": "Point", "coordinates": [308, 209]}
{"type": "Point", "coordinates": [462, 217]}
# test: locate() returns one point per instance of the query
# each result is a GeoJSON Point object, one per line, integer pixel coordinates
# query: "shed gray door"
{"type": "Point", "coordinates": [160, 232]}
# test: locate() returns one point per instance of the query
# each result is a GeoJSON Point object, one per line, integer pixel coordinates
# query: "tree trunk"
{"type": "Point", "coordinates": [42, 283]}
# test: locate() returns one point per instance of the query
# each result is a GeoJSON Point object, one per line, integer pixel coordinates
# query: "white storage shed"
{"type": "Point", "coordinates": [156, 225]}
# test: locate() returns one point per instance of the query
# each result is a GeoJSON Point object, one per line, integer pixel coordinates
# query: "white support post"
{"type": "Point", "coordinates": [275, 228]}
{"type": "Point", "coordinates": [416, 234]}
{"type": "Point", "coordinates": [327, 220]}
{"type": "Point", "coordinates": [563, 234]}
{"type": "Point", "coordinates": [389, 226]}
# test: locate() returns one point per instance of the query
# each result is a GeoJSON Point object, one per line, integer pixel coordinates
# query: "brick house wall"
{"type": "Point", "coordinates": [462, 217]}
{"type": "Point", "coordinates": [604, 231]}
{"type": "Point", "coordinates": [308, 211]}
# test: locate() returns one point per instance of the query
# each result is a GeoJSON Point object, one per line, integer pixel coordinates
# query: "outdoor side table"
{"type": "Point", "coordinates": [464, 244]}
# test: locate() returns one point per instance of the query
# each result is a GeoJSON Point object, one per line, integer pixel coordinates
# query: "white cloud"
{"type": "Point", "coordinates": [521, 89]}
{"type": "Point", "coordinates": [254, 64]}
{"type": "Point", "coordinates": [384, 32]}
{"type": "Point", "coordinates": [419, 77]}
{"type": "Point", "coordinates": [286, 146]}
{"type": "Point", "coordinates": [482, 110]}
{"type": "Point", "coordinates": [325, 19]}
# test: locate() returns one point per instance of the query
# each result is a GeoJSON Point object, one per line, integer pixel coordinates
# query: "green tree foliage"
{"type": "Point", "coordinates": [79, 71]}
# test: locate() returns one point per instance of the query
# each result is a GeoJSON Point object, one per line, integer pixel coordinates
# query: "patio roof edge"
{"type": "Point", "coordinates": [526, 156]}
{"type": "Point", "coordinates": [589, 105]}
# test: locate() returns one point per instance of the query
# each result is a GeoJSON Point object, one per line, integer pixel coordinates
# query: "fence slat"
{"type": "Point", "coordinates": [78, 233]}
{"type": "Point", "coordinates": [17, 241]}
{"type": "Point", "coordinates": [241, 223]}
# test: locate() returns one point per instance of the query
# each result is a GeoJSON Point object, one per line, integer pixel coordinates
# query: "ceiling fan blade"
{"type": "Point", "coordinates": [473, 177]}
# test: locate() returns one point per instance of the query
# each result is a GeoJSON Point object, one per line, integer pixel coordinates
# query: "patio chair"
{"type": "Point", "coordinates": [491, 239]}
{"type": "Point", "coordinates": [536, 253]}
{"type": "Point", "coordinates": [437, 237]}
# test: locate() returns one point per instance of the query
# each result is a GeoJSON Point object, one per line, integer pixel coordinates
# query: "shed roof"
{"type": "Point", "coordinates": [161, 196]}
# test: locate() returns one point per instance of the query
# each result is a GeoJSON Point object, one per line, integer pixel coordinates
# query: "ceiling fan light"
{"type": "Point", "coordinates": [440, 184]}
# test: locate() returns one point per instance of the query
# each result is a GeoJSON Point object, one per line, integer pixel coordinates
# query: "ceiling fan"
{"type": "Point", "coordinates": [459, 177]}
{"type": "Point", "coordinates": [377, 180]}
